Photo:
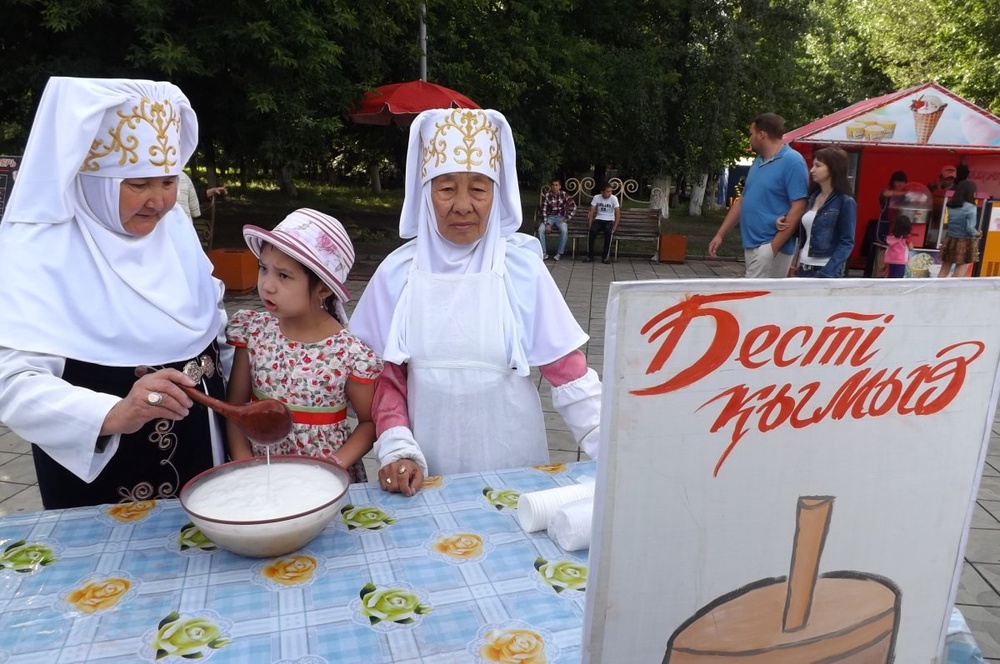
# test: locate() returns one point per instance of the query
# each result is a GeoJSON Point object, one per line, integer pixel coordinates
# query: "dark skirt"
{"type": "Point", "coordinates": [151, 463]}
{"type": "Point", "coordinates": [959, 250]}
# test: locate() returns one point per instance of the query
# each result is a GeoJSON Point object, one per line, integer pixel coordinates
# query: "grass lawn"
{"type": "Point", "coordinates": [700, 231]}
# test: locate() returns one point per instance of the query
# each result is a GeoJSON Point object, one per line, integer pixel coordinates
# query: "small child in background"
{"type": "Point", "coordinates": [897, 255]}
{"type": "Point", "coordinates": [299, 351]}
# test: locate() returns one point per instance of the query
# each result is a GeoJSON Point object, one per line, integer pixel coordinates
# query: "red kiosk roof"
{"type": "Point", "coordinates": [925, 116]}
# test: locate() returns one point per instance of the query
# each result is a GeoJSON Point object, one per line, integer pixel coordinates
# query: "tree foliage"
{"type": "Point", "coordinates": [643, 86]}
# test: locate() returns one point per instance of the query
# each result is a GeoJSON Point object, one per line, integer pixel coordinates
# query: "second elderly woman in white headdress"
{"type": "Point", "coordinates": [463, 311]}
{"type": "Point", "coordinates": [104, 279]}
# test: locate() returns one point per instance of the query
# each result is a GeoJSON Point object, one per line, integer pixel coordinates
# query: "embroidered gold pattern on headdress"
{"type": "Point", "coordinates": [469, 126]}
{"type": "Point", "coordinates": [158, 116]}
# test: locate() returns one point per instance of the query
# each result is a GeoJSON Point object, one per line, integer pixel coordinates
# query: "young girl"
{"type": "Point", "coordinates": [299, 350]}
{"type": "Point", "coordinates": [898, 253]}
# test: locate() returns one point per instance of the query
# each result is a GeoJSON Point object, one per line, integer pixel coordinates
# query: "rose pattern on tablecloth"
{"type": "Point", "coordinates": [561, 575]}
{"type": "Point", "coordinates": [301, 568]}
{"type": "Point", "coordinates": [190, 539]}
{"type": "Point", "coordinates": [457, 547]}
{"type": "Point", "coordinates": [551, 468]}
{"type": "Point", "coordinates": [390, 606]}
{"type": "Point", "coordinates": [365, 517]}
{"type": "Point", "coordinates": [98, 593]}
{"type": "Point", "coordinates": [434, 482]}
{"type": "Point", "coordinates": [131, 512]}
{"type": "Point", "coordinates": [501, 499]}
{"type": "Point", "coordinates": [24, 557]}
{"type": "Point", "coordinates": [513, 642]}
{"type": "Point", "coordinates": [182, 637]}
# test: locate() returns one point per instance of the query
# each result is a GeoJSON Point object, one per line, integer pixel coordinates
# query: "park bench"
{"type": "Point", "coordinates": [637, 223]}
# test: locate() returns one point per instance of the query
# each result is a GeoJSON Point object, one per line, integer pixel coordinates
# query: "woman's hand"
{"type": "Point", "coordinates": [781, 223]}
{"type": "Point", "coordinates": [403, 476]}
{"type": "Point", "coordinates": [155, 395]}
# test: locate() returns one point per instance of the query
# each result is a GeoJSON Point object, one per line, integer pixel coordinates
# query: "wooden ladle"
{"type": "Point", "coordinates": [265, 421]}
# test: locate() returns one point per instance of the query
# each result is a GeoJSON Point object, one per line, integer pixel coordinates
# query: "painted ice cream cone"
{"type": "Point", "coordinates": [924, 123]}
{"type": "Point", "coordinates": [927, 110]}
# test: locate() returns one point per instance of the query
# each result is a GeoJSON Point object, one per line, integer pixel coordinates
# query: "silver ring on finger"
{"type": "Point", "coordinates": [401, 470]}
{"type": "Point", "coordinates": [388, 481]}
{"type": "Point", "coordinates": [154, 398]}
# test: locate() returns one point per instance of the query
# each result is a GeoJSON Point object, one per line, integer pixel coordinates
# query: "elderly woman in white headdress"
{"type": "Point", "coordinates": [463, 311]}
{"type": "Point", "coordinates": [104, 278]}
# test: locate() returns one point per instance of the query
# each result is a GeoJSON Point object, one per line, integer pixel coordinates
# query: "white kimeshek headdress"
{"type": "Point", "coordinates": [459, 141]}
{"type": "Point", "coordinates": [538, 326]}
{"type": "Point", "coordinates": [77, 284]}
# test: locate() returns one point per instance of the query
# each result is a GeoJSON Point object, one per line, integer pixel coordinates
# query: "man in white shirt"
{"type": "Point", "coordinates": [187, 195]}
{"type": "Point", "coordinates": [605, 215]}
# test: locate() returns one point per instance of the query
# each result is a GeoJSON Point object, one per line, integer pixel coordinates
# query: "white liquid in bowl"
{"type": "Point", "coordinates": [260, 492]}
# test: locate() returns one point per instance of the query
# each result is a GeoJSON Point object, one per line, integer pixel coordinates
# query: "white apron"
{"type": "Point", "coordinates": [469, 410]}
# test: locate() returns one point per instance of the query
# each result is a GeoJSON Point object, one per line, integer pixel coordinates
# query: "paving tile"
{"type": "Point", "coordinates": [554, 422]}
{"type": "Point", "coordinates": [28, 499]}
{"type": "Point", "coordinates": [990, 574]}
{"type": "Point", "coordinates": [11, 442]}
{"type": "Point", "coordinates": [9, 489]}
{"type": "Point", "coordinates": [567, 457]}
{"type": "Point", "coordinates": [8, 456]}
{"type": "Point", "coordinates": [974, 590]}
{"type": "Point", "coordinates": [371, 468]}
{"type": "Point", "coordinates": [982, 518]}
{"type": "Point", "coordinates": [991, 506]}
{"type": "Point", "coordinates": [983, 546]}
{"type": "Point", "coordinates": [20, 470]}
{"type": "Point", "coordinates": [561, 441]}
{"type": "Point", "coordinates": [989, 488]}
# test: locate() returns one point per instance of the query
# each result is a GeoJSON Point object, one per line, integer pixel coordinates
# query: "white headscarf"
{"type": "Point", "coordinates": [538, 326]}
{"type": "Point", "coordinates": [76, 284]}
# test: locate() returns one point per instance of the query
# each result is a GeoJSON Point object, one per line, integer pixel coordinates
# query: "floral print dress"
{"type": "Point", "coordinates": [311, 378]}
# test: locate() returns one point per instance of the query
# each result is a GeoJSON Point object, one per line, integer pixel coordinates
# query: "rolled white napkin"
{"type": "Point", "coordinates": [571, 525]}
{"type": "Point", "coordinates": [535, 508]}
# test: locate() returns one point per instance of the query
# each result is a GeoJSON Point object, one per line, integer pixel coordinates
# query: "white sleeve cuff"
{"type": "Point", "coordinates": [398, 443]}
{"type": "Point", "coordinates": [579, 403]}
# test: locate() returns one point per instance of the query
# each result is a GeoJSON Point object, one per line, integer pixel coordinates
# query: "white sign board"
{"type": "Point", "coordinates": [788, 467]}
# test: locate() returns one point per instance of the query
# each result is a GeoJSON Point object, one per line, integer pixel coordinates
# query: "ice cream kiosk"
{"type": "Point", "coordinates": [919, 131]}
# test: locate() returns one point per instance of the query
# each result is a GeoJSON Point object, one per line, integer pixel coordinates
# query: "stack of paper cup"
{"type": "Point", "coordinates": [536, 508]}
{"type": "Point", "coordinates": [571, 524]}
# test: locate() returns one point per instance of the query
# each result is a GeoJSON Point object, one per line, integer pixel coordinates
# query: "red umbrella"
{"type": "Point", "coordinates": [400, 103]}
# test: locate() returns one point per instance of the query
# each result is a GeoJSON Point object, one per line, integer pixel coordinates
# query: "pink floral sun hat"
{"type": "Point", "coordinates": [314, 239]}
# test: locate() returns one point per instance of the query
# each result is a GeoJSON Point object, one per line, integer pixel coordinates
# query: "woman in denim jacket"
{"type": "Point", "coordinates": [826, 234]}
{"type": "Point", "coordinates": [961, 243]}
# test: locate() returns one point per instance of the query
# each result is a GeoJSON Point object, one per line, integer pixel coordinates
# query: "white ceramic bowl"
{"type": "Point", "coordinates": [249, 534]}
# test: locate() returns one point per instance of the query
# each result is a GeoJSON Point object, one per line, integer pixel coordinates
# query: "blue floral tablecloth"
{"type": "Point", "coordinates": [446, 576]}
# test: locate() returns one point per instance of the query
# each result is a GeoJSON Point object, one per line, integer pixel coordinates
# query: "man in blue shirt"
{"type": "Point", "coordinates": [773, 201]}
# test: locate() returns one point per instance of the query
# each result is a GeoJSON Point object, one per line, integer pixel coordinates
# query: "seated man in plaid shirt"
{"type": "Point", "coordinates": [557, 207]}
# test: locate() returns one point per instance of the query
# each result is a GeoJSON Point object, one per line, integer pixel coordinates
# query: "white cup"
{"type": "Point", "coordinates": [535, 508]}
{"type": "Point", "coordinates": [572, 523]}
